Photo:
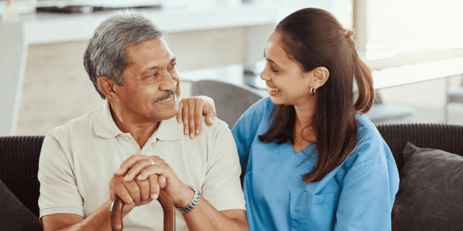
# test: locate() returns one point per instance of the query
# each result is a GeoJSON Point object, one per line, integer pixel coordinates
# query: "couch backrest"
{"type": "Point", "coordinates": [19, 158]}
{"type": "Point", "coordinates": [437, 136]}
{"type": "Point", "coordinates": [19, 155]}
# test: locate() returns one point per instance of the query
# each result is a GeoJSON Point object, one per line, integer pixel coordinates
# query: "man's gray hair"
{"type": "Point", "coordinates": [106, 51]}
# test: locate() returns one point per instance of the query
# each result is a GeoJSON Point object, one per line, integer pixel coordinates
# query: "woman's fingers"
{"type": "Point", "coordinates": [191, 118]}
{"type": "Point", "coordinates": [209, 112]}
{"type": "Point", "coordinates": [198, 116]}
{"type": "Point", "coordinates": [209, 109]}
{"type": "Point", "coordinates": [185, 110]}
{"type": "Point", "coordinates": [180, 111]}
{"type": "Point", "coordinates": [191, 111]}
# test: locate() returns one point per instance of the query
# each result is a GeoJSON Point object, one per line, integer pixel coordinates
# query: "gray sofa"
{"type": "Point", "coordinates": [429, 197]}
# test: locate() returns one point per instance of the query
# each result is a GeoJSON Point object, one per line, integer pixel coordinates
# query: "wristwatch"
{"type": "Point", "coordinates": [193, 203]}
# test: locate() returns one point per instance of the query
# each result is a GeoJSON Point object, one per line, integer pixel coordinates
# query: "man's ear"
{"type": "Point", "coordinates": [319, 77]}
{"type": "Point", "coordinates": [108, 88]}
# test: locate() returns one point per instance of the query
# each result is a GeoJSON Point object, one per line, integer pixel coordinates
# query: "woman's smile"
{"type": "Point", "coordinates": [273, 90]}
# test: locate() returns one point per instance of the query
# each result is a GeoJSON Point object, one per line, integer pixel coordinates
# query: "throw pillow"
{"type": "Point", "coordinates": [14, 216]}
{"type": "Point", "coordinates": [430, 191]}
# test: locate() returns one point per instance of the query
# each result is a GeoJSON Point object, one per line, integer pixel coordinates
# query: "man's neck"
{"type": "Point", "coordinates": [140, 131]}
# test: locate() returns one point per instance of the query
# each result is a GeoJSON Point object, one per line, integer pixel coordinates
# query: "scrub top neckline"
{"type": "Point", "coordinates": [294, 159]}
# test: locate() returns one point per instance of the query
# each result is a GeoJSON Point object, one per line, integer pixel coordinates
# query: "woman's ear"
{"type": "Point", "coordinates": [108, 88]}
{"type": "Point", "coordinates": [319, 77]}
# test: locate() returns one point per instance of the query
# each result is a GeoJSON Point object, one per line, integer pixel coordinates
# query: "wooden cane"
{"type": "Point", "coordinates": [164, 200]}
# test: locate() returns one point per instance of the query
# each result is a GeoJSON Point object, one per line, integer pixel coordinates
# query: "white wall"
{"type": "Point", "coordinates": [57, 89]}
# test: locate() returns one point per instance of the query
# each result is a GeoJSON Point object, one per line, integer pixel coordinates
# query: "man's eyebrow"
{"type": "Point", "coordinates": [269, 59]}
{"type": "Point", "coordinates": [173, 60]}
{"type": "Point", "coordinates": [145, 72]}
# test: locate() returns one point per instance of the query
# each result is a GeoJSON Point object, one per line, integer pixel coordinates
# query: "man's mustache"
{"type": "Point", "coordinates": [167, 95]}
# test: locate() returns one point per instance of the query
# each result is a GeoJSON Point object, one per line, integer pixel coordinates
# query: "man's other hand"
{"type": "Point", "coordinates": [190, 111]}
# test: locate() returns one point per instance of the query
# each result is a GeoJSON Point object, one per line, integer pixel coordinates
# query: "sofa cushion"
{"type": "Point", "coordinates": [430, 191]}
{"type": "Point", "coordinates": [14, 216]}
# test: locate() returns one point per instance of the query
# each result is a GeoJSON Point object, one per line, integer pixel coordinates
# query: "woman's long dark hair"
{"type": "Point", "coordinates": [314, 38]}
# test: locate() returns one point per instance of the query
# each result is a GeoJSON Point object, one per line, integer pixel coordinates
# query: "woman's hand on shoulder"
{"type": "Point", "coordinates": [190, 111]}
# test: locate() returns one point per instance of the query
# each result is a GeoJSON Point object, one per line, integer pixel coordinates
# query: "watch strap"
{"type": "Point", "coordinates": [192, 205]}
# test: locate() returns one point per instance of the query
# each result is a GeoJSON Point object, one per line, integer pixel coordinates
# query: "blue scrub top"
{"type": "Point", "coordinates": [357, 195]}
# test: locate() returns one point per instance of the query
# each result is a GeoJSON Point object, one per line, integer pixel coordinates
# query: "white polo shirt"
{"type": "Point", "coordinates": [78, 160]}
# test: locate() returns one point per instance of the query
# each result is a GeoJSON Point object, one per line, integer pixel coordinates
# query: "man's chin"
{"type": "Point", "coordinates": [166, 114]}
{"type": "Point", "coordinates": [165, 110]}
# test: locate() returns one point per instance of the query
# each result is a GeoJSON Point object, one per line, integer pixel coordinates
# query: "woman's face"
{"type": "Point", "coordinates": [287, 83]}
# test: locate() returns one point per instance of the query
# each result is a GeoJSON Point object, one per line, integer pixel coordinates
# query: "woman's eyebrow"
{"type": "Point", "coordinates": [270, 59]}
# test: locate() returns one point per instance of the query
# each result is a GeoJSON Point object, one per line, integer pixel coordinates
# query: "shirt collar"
{"type": "Point", "coordinates": [169, 130]}
{"type": "Point", "coordinates": [103, 122]}
{"type": "Point", "coordinates": [104, 126]}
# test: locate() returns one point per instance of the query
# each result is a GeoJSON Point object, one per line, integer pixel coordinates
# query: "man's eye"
{"type": "Point", "coordinates": [273, 69]}
{"type": "Point", "coordinates": [172, 66]}
{"type": "Point", "coordinates": [153, 75]}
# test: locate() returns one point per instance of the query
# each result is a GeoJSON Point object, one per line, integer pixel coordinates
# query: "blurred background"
{"type": "Point", "coordinates": [414, 47]}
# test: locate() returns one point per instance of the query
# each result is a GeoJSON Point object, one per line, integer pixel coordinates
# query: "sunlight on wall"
{"type": "Point", "coordinates": [415, 24]}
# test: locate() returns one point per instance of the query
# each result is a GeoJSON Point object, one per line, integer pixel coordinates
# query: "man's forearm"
{"type": "Point", "coordinates": [98, 220]}
{"type": "Point", "coordinates": [206, 217]}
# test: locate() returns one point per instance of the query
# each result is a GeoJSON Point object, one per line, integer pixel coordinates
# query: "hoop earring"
{"type": "Point", "coordinates": [312, 91]}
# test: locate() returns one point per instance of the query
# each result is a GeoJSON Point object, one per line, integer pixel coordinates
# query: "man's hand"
{"type": "Point", "coordinates": [134, 192]}
{"type": "Point", "coordinates": [190, 111]}
{"type": "Point", "coordinates": [142, 168]}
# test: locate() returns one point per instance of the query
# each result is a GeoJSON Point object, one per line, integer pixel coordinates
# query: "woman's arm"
{"type": "Point", "coordinates": [368, 194]}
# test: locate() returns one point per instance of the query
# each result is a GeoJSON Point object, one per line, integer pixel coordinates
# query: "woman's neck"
{"type": "Point", "coordinates": [304, 113]}
{"type": "Point", "coordinates": [304, 134]}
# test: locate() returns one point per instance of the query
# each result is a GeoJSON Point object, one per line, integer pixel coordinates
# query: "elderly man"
{"type": "Point", "coordinates": [132, 145]}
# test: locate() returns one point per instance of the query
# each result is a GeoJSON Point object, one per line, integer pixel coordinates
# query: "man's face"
{"type": "Point", "coordinates": [150, 77]}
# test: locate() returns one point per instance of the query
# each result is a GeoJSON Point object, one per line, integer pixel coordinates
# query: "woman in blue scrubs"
{"type": "Point", "coordinates": [311, 160]}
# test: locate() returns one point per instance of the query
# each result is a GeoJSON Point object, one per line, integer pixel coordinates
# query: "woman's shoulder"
{"type": "Point", "coordinates": [371, 144]}
{"type": "Point", "coordinates": [366, 127]}
{"type": "Point", "coordinates": [262, 107]}
{"type": "Point", "coordinates": [367, 130]}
